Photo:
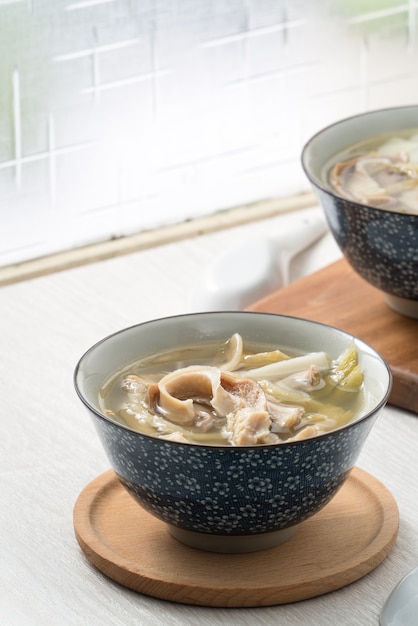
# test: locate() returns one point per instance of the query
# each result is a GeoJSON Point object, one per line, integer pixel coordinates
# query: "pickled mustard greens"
{"type": "Point", "coordinates": [381, 172]}
{"type": "Point", "coordinates": [236, 394]}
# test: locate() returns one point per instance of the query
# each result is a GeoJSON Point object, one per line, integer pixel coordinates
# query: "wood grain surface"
{"type": "Point", "coordinates": [348, 538]}
{"type": "Point", "coordinates": [336, 295]}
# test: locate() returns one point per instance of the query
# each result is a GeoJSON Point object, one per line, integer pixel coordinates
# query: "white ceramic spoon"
{"type": "Point", "coordinates": [401, 607]}
{"type": "Point", "coordinates": [247, 272]}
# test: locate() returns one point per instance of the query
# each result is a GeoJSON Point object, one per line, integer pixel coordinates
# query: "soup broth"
{"type": "Point", "coordinates": [232, 393]}
{"type": "Point", "coordinates": [381, 171]}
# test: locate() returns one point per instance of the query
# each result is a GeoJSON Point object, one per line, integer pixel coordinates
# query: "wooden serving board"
{"type": "Point", "coordinates": [341, 543]}
{"type": "Point", "coordinates": [336, 295]}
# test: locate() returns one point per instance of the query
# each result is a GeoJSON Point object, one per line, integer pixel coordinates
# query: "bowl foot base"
{"type": "Point", "coordinates": [409, 308]}
{"type": "Point", "coordinates": [236, 544]}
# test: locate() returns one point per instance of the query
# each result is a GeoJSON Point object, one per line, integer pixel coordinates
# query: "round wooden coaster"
{"type": "Point", "coordinates": [337, 546]}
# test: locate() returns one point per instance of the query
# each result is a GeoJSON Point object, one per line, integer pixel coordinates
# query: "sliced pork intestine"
{"type": "Point", "coordinates": [389, 182]}
{"type": "Point", "coordinates": [200, 397]}
{"type": "Point", "coordinates": [248, 426]}
{"type": "Point", "coordinates": [306, 380]}
{"type": "Point", "coordinates": [285, 417]}
{"type": "Point", "coordinates": [181, 395]}
{"type": "Point", "coordinates": [249, 421]}
{"type": "Point", "coordinates": [234, 352]}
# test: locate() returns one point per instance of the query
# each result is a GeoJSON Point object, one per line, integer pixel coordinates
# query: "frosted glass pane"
{"type": "Point", "coordinates": [123, 115]}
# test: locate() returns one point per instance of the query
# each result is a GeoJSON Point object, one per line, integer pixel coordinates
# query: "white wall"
{"type": "Point", "coordinates": [118, 116]}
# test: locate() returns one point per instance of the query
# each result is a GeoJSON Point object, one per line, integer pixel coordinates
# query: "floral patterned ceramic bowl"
{"type": "Point", "coordinates": [226, 498]}
{"type": "Point", "coordinates": [381, 244]}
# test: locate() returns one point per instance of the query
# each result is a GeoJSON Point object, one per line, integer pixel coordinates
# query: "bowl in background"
{"type": "Point", "coordinates": [380, 245]}
{"type": "Point", "coordinates": [229, 498]}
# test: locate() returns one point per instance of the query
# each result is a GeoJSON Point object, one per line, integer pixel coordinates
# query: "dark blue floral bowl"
{"type": "Point", "coordinates": [380, 245]}
{"type": "Point", "coordinates": [226, 498]}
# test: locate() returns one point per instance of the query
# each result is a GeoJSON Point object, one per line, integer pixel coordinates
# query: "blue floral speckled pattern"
{"type": "Point", "coordinates": [380, 245]}
{"type": "Point", "coordinates": [232, 491]}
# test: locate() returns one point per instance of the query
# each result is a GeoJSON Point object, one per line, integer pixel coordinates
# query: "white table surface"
{"type": "Point", "coordinates": [49, 450]}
